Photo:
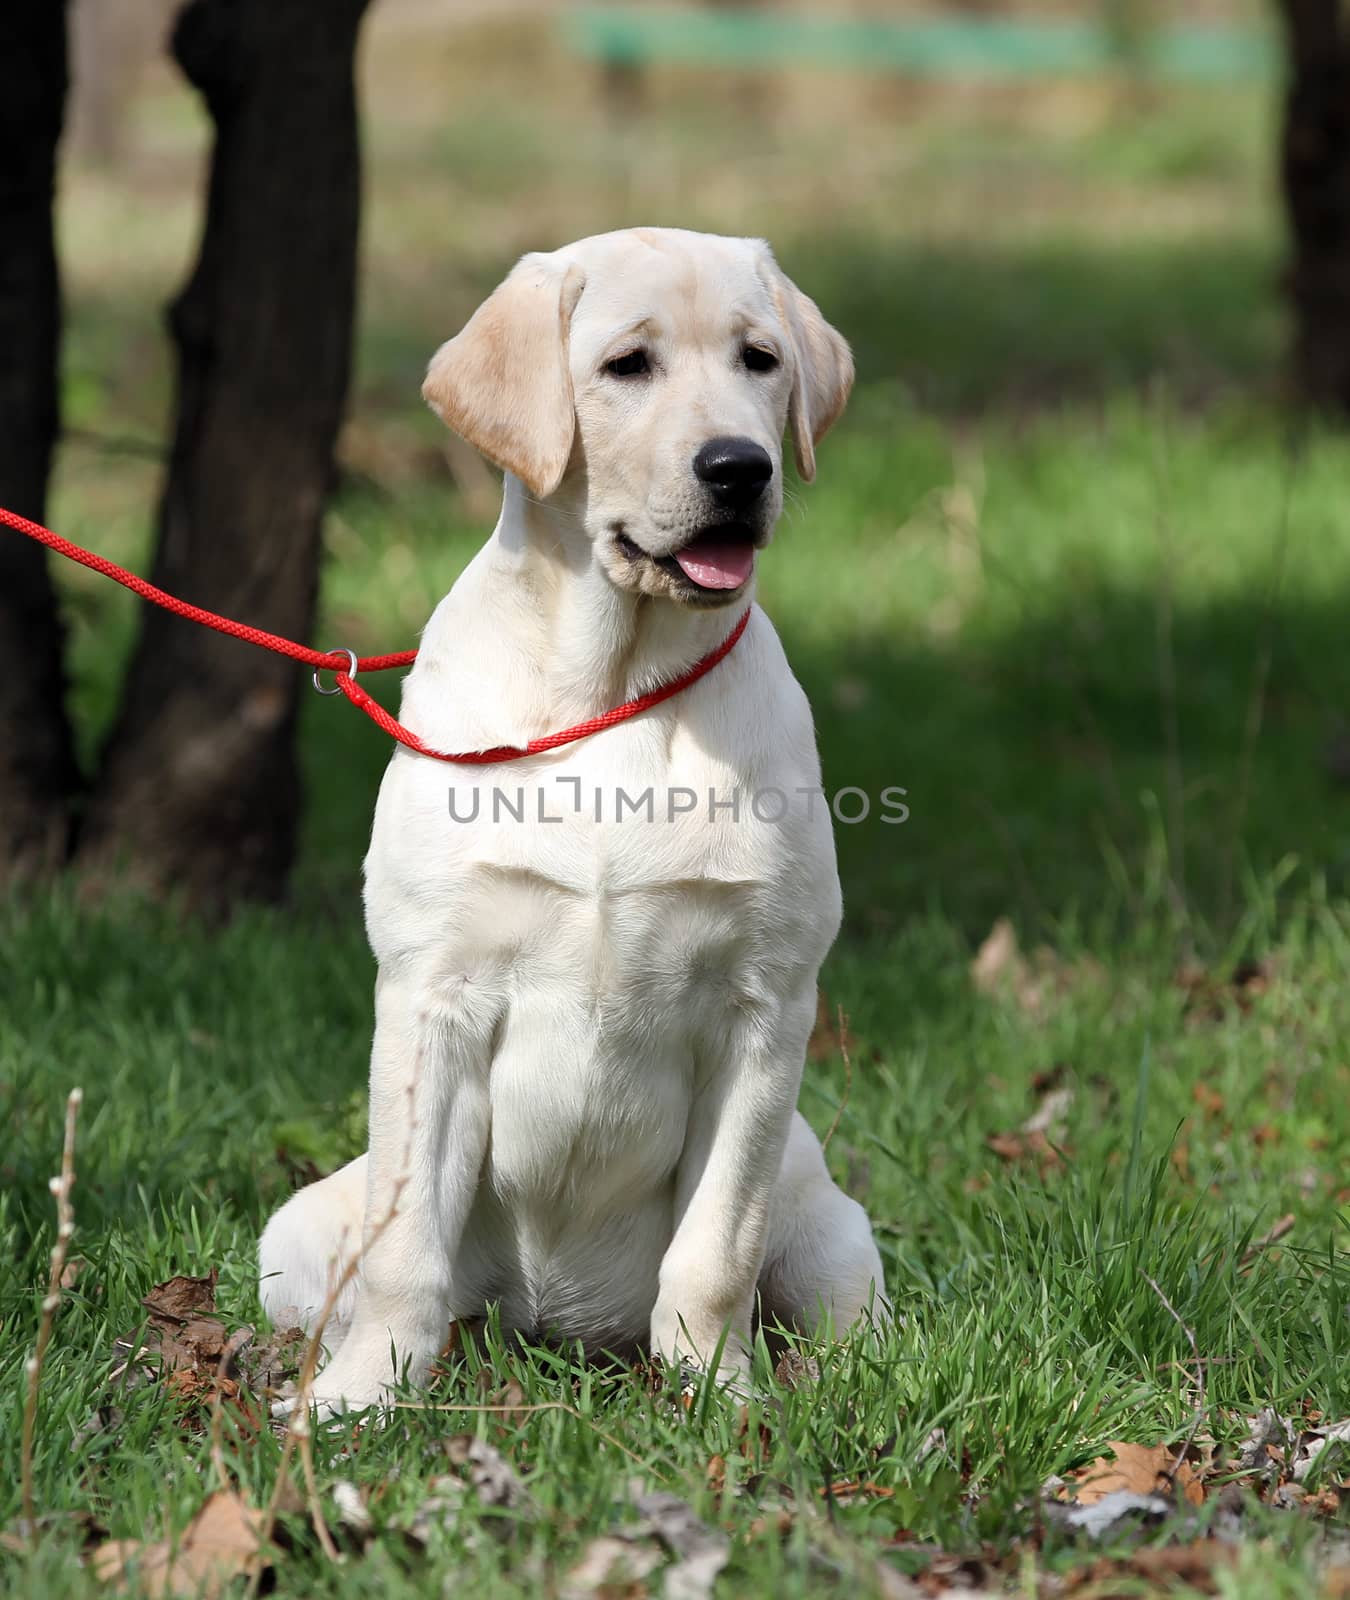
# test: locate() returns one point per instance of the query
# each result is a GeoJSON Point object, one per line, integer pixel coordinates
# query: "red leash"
{"type": "Point", "coordinates": [345, 664]}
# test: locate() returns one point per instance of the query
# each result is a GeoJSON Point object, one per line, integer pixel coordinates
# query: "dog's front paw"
{"type": "Point", "coordinates": [354, 1380]}
{"type": "Point", "coordinates": [730, 1382]}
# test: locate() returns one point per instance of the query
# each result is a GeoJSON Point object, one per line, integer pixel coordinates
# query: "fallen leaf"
{"type": "Point", "coordinates": [998, 957]}
{"type": "Point", "coordinates": [1049, 1116]}
{"type": "Point", "coordinates": [612, 1568]}
{"type": "Point", "coordinates": [268, 1363]}
{"type": "Point", "coordinates": [1211, 996]}
{"type": "Point", "coordinates": [794, 1369]}
{"type": "Point", "coordinates": [1000, 969]}
{"type": "Point", "coordinates": [701, 1552]}
{"type": "Point", "coordinates": [934, 1439]}
{"type": "Point", "coordinates": [489, 1473]}
{"type": "Point", "coordinates": [510, 1397]}
{"type": "Point", "coordinates": [1210, 1101]}
{"type": "Point", "coordinates": [895, 1585]}
{"type": "Point", "coordinates": [1318, 1448]}
{"type": "Point", "coordinates": [220, 1543]}
{"type": "Point", "coordinates": [197, 1343]}
{"type": "Point", "coordinates": [181, 1299]}
{"type": "Point", "coordinates": [1270, 1438]}
{"type": "Point", "coordinates": [1136, 1469]}
{"type": "Point", "coordinates": [181, 1328]}
{"type": "Point", "coordinates": [1194, 1563]}
{"type": "Point", "coordinates": [352, 1512]}
{"type": "Point", "coordinates": [1114, 1512]}
{"type": "Point", "coordinates": [1029, 1147]}
{"type": "Point", "coordinates": [1336, 1582]}
{"type": "Point", "coordinates": [440, 1507]}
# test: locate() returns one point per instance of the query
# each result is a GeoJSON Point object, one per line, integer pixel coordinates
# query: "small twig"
{"type": "Point", "coordinates": [305, 1445]}
{"type": "Point", "coordinates": [237, 1340]}
{"type": "Point", "coordinates": [1283, 1226]}
{"type": "Point", "coordinates": [848, 1081]}
{"type": "Point", "coordinates": [297, 1426]}
{"type": "Point", "coordinates": [1200, 1408]}
{"type": "Point", "coordinates": [60, 1186]}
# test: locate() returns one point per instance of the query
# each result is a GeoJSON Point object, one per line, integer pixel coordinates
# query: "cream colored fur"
{"type": "Point", "coordinates": [602, 1025]}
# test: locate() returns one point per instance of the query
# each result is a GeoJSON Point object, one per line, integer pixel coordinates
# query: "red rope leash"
{"type": "Point", "coordinates": [345, 664]}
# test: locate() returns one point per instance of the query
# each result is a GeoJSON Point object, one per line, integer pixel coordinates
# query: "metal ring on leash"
{"type": "Point", "coordinates": [338, 650]}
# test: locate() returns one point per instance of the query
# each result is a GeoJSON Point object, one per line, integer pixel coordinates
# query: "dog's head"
{"type": "Point", "coordinates": [647, 377]}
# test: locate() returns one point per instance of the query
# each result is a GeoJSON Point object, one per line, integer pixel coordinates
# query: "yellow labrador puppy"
{"type": "Point", "coordinates": [597, 967]}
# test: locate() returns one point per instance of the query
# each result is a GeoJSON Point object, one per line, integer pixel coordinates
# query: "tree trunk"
{"type": "Point", "coordinates": [199, 790]}
{"type": "Point", "coordinates": [37, 768]}
{"type": "Point", "coordinates": [1316, 174]}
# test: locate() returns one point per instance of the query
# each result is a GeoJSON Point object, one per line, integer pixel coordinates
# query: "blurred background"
{"type": "Point", "coordinates": [1074, 571]}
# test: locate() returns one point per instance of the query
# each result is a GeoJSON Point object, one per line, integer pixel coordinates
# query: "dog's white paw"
{"type": "Point", "coordinates": [322, 1408]}
{"type": "Point", "coordinates": [731, 1383]}
{"type": "Point", "coordinates": [354, 1380]}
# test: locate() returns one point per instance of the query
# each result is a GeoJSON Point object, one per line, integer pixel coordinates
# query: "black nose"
{"type": "Point", "coordinates": [736, 470]}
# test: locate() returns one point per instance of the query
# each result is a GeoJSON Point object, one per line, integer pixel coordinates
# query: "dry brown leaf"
{"type": "Point", "coordinates": [220, 1543]}
{"type": "Point", "coordinates": [794, 1369]}
{"type": "Point", "coordinates": [1137, 1469]}
{"type": "Point", "coordinates": [700, 1552]}
{"type": "Point", "coordinates": [1336, 1583]}
{"type": "Point", "coordinates": [1210, 1101]}
{"type": "Point", "coordinates": [1030, 1147]}
{"type": "Point", "coordinates": [1000, 969]}
{"type": "Point", "coordinates": [490, 1474]}
{"type": "Point", "coordinates": [180, 1299]}
{"type": "Point", "coordinates": [181, 1327]}
{"type": "Point", "coordinates": [997, 958]}
{"type": "Point", "coordinates": [196, 1344]}
{"type": "Point", "coordinates": [1039, 1137]}
{"type": "Point", "coordinates": [1210, 996]}
{"type": "Point", "coordinates": [510, 1397]}
{"type": "Point", "coordinates": [1049, 1117]}
{"type": "Point", "coordinates": [1195, 1563]}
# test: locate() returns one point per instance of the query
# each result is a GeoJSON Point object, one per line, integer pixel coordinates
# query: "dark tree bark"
{"type": "Point", "coordinates": [1316, 175]}
{"type": "Point", "coordinates": [199, 790]}
{"type": "Point", "coordinates": [37, 769]}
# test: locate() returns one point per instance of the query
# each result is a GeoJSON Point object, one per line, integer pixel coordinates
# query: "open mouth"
{"type": "Point", "coordinates": [717, 559]}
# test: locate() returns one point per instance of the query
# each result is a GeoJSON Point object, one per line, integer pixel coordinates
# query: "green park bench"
{"type": "Point", "coordinates": [918, 46]}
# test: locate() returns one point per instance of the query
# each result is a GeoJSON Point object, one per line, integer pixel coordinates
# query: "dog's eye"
{"type": "Point", "coordinates": [758, 359]}
{"type": "Point", "coordinates": [631, 365]}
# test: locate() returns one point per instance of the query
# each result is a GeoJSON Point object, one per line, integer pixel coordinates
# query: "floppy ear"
{"type": "Point", "coordinates": [822, 370]}
{"type": "Point", "coordinates": [503, 381]}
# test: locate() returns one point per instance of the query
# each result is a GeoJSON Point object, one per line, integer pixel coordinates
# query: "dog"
{"type": "Point", "coordinates": [591, 1027]}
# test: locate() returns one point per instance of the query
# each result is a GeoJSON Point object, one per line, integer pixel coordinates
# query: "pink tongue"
{"type": "Point", "coordinates": [713, 565]}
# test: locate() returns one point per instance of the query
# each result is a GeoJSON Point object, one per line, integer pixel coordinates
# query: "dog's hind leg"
{"type": "Point", "coordinates": [821, 1262]}
{"type": "Point", "coordinates": [307, 1244]}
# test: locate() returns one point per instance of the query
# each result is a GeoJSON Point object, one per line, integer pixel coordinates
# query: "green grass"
{"type": "Point", "coordinates": [1068, 576]}
{"type": "Point", "coordinates": [1031, 1335]}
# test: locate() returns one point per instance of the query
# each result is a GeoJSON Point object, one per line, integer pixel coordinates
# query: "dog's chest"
{"type": "Point", "coordinates": [604, 962]}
